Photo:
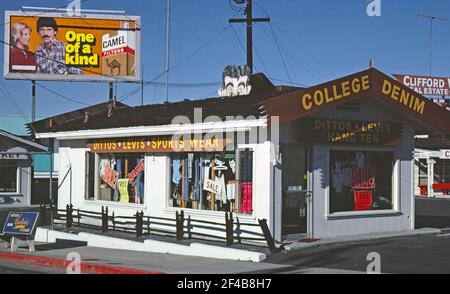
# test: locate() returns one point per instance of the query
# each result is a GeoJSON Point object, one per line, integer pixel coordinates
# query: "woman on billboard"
{"type": "Point", "coordinates": [22, 60]}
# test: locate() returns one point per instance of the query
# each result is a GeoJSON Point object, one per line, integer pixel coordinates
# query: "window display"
{"type": "Point", "coordinates": [8, 180]}
{"type": "Point", "coordinates": [212, 181]}
{"type": "Point", "coordinates": [115, 177]}
{"type": "Point", "coordinates": [360, 180]}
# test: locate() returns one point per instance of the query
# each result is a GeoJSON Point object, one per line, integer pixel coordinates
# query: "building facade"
{"type": "Point", "coordinates": [331, 160]}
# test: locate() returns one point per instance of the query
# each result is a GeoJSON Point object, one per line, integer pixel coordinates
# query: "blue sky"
{"type": "Point", "coordinates": [320, 40]}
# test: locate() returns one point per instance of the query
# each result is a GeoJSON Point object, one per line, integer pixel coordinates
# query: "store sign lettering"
{"type": "Point", "coordinates": [334, 92]}
{"type": "Point", "coordinates": [158, 145]}
{"type": "Point", "coordinates": [212, 187]}
{"type": "Point", "coordinates": [425, 85]}
{"type": "Point", "coordinates": [363, 178]}
{"type": "Point", "coordinates": [350, 132]}
{"type": "Point", "coordinates": [138, 169]}
{"type": "Point", "coordinates": [403, 97]}
{"type": "Point", "coordinates": [445, 154]}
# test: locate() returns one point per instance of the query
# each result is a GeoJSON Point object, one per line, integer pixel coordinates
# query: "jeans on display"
{"type": "Point", "coordinates": [140, 187]}
{"type": "Point", "coordinates": [119, 170]}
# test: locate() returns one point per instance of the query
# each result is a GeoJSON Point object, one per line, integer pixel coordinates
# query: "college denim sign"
{"type": "Point", "coordinates": [369, 84]}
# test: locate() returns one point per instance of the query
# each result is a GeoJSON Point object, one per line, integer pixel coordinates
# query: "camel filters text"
{"type": "Point", "coordinates": [118, 54]}
{"type": "Point", "coordinates": [333, 93]}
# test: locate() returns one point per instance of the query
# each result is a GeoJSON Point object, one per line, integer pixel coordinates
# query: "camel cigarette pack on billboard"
{"type": "Point", "coordinates": [118, 53]}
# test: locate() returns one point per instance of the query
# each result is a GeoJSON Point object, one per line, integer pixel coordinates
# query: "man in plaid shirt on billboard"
{"type": "Point", "coordinates": [51, 54]}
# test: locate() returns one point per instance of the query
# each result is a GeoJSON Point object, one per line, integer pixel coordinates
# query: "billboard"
{"type": "Point", "coordinates": [425, 85]}
{"type": "Point", "coordinates": [54, 46]}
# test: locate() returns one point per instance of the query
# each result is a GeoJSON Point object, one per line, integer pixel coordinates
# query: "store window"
{"type": "Point", "coordinates": [115, 177]}
{"type": "Point", "coordinates": [212, 181]}
{"type": "Point", "coordinates": [361, 180]}
{"type": "Point", "coordinates": [441, 170]}
{"type": "Point", "coordinates": [8, 180]}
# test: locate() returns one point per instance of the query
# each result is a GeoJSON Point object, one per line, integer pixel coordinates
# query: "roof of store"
{"type": "Point", "coordinates": [22, 141]}
{"type": "Point", "coordinates": [370, 84]}
{"type": "Point", "coordinates": [265, 98]}
{"type": "Point", "coordinates": [163, 114]}
{"type": "Point", "coordinates": [433, 143]}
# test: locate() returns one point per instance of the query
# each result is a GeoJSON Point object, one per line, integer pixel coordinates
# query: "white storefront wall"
{"type": "Point", "coordinates": [72, 187]}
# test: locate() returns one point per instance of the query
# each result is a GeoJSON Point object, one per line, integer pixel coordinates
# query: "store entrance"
{"type": "Point", "coordinates": [295, 190]}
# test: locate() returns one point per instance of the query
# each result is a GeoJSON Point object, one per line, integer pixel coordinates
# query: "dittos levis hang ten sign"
{"type": "Point", "coordinates": [334, 92]}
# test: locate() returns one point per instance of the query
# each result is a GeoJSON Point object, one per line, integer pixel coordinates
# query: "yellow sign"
{"type": "Point", "coordinates": [334, 92]}
{"type": "Point", "coordinates": [158, 144]}
{"type": "Point", "coordinates": [52, 46]}
{"type": "Point", "coordinates": [123, 190]}
{"type": "Point", "coordinates": [403, 97]}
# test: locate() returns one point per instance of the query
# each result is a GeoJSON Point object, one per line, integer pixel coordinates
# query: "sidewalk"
{"type": "Point", "coordinates": [139, 262]}
{"type": "Point", "coordinates": [350, 239]}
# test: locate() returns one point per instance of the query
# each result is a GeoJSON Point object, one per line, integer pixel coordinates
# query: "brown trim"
{"type": "Point", "coordinates": [158, 144]}
{"type": "Point", "coordinates": [370, 84]}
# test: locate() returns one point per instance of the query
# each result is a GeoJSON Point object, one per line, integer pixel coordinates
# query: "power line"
{"type": "Point", "coordinates": [10, 98]}
{"type": "Point", "coordinates": [256, 50]}
{"type": "Point", "coordinates": [281, 54]}
{"type": "Point", "coordinates": [297, 58]}
{"type": "Point", "coordinates": [131, 93]}
{"type": "Point", "coordinates": [305, 50]}
{"type": "Point", "coordinates": [61, 95]}
{"type": "Point", "coordinates": [431, 18]}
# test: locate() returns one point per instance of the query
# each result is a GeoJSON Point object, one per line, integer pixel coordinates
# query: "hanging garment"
{"type": "Point", "coordinates": [197, 179]}
{"type": "Point", "coordinates": [207, 169]}
{"type": "Point", "coordinates": [231, 190]}
{"type": "Point", "coordinates": [246, 197]}
{"type": "Point", "coordinates": [347, 177]}
{"type": "Point", "coordinates": [190, 164]}
{"type": "Point", "coordinates": [220, 180]}
{"type": "Point", "coordinates": [118, 168]}
{"type": "Point", "coordinates": [140, 186]}
{"type": "Point", "coordinates": [360, 159]}
{"type": "Point", "coordinates": [337, 177]}
{"type": "Point", "coordinates": [176, 169]}
{"type": "Point", "coordinates": [220, 163]}
{"type": "Point", "coordinates": [185, 180]}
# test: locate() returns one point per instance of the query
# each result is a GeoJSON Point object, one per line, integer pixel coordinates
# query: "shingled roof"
{"type": "Point", "coordinates": [433, 143]}
{"type": "Point", "coordinates": [163, 114]}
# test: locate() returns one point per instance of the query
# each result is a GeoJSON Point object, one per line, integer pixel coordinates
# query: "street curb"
{"type": "Point", "coordinates": [345, 240]}
{"type": "Point", "coordinates": [61, 264]}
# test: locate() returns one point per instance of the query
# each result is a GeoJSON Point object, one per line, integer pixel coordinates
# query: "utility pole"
{"type": "Point", "coordinates": [167, 48]}
{"type": "Point", "coordinates": [249, 20]}
{"type": "Point", "coordinates": [33, 101]}
{"type": "Point", "coordinates": [142, 85]}
{"type": "Point", "coordinates": [431, 18]}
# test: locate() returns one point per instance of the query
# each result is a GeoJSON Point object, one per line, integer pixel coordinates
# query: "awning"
{"type": "Point", "coordinates": [368, 84]}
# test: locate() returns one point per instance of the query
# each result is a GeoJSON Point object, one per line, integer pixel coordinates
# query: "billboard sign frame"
{"type": "Point", "coordinates": [71, 78]}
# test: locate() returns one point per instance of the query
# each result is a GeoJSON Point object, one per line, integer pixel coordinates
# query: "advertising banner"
{"type": "Point", "coordinates": [20, 223]}
{"type": "Point", "coordinates": [429, 86]}
{"type": "Point", "coordinates": [51, 46]}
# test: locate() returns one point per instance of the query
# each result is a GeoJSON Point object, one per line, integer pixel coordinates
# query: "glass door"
{"type": "Point", "coordinates": [295, 190]}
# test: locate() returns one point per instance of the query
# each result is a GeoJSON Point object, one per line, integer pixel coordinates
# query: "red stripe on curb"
{"type": "Point", "coordinates": [61, 264]}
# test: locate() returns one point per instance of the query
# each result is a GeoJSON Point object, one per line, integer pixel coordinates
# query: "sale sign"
{"type": "Point", "coordinates": [110, 176]}
{"type": "Point", "coordinates": [363, 178]}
